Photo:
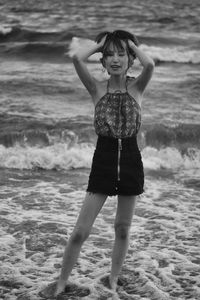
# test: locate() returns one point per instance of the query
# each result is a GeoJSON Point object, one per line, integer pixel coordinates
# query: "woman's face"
{"type": "Point", "coordinates": [116, 60]}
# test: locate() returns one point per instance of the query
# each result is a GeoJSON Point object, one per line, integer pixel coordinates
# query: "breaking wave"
{"type": "Point", "coordinates": [70, 144]}
{"type": "Point", "coordinates": [59, 46]}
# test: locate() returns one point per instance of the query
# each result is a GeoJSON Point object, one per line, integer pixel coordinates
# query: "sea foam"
{"type": "Point", "coordinates": [170, 158]}
{"type": "Point", "coordinates": [58, 156]}
{"type": "Point", "coordinates": [62, 157]}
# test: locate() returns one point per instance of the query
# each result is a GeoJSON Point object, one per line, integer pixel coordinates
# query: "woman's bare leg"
{"type": "Point", "coordinates": [89, 211]}
{"type": "Point", "coordinates": [125, 211]}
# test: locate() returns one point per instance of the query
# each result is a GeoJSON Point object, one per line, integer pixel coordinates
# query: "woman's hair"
{"type": "Point", "coordinates": [116, 37]}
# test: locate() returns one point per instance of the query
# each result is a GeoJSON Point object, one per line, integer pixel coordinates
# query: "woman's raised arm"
{"type": "Point", "coordinates": [79, 59]}
{"type": "Point", "coordinates": [148, 67]}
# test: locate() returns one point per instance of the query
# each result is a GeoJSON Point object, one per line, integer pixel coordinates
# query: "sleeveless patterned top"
{"type": "Point", "coordinates": [117, 115]}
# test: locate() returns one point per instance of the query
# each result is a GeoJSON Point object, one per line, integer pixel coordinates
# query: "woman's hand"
{"type": "Point", "coordinates": [132, 44]}
{"type": "Point", "coordinates": [101, 39]}
{"type": "Point", "coordinates": [101, 43]}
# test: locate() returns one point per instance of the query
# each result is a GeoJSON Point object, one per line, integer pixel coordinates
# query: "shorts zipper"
{"type": "Point", "coordinates": [119, 156]}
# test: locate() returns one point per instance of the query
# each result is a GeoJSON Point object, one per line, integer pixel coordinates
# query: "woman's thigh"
{"type": "Point", "coordinates": [125, 209]}
{"type": "Point", "coordinates": [91, 207]}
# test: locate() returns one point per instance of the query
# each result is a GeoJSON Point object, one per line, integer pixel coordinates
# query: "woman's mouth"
{"type": "Point", "coordinates": [115, 67]}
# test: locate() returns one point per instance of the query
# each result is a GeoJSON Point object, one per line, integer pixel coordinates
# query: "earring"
{"type": "Point", "coordinates": [103, 69]}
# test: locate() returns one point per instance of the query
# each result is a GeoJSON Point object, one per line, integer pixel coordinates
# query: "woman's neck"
{"type": "Point", "coordinates": [117, 83]}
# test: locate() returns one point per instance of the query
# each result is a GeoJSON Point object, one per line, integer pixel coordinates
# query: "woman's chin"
{"type": "Point", "coordinates": [115, 72]}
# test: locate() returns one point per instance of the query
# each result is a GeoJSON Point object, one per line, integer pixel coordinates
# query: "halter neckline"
{"type": "Point", "coordinates": [117, 91]}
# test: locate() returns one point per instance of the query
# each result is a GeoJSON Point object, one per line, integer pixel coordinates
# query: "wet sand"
{"type": "Point", "coordinates": [37, 214]}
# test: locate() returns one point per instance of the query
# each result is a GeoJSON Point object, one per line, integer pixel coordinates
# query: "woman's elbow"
{"type": "Point", "coordinates": [75, 57]}
{"type": "Point", "coordinates": [150, 66]}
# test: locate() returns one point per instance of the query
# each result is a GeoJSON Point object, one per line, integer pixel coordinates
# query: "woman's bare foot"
{"type": "Point", "coordinates": [60, 288]}
{"type": "Point", "coordinates": [110, 284]}
{"type": "Point", "coordinates": [51, 291]}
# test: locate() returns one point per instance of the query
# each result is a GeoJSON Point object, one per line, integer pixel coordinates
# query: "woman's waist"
{"type": "Point", "coordinates": [110, 144]}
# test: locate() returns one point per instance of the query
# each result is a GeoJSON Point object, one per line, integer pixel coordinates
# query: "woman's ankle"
{"type": "Point", "coordinates": [60, 287]}
{"type": "Point", "coordinates": [113, 282]}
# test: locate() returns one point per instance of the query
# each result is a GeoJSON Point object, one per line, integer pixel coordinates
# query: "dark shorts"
{"type": "Point", "coordinates": [103, 177]}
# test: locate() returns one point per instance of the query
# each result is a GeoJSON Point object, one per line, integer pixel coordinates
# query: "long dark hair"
{"type": "Point", "coordinates": [116, 37]}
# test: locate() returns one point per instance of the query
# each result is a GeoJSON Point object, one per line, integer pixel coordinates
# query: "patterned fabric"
{"type": "Point", "coordinates": [117, 115]}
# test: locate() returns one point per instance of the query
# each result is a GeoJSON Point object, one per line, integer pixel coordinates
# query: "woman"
{"type": "Point", "coordinates": [117, 167]}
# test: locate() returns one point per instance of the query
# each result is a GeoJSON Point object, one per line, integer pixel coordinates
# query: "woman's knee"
{"type": "Point", "coordinates": [122, 230]}
{"type": "Point", "coordinates": [79, 235]}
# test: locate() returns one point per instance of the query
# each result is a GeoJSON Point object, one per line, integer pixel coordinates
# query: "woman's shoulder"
{"type": "Point", "coordinates": [101, 90]}
{"type": "Point", "coordinates": [130, 81]}
{"type": "Point", "coordinates": [132, 89]}
{"type": "Point", "coordinates": [101, 85]}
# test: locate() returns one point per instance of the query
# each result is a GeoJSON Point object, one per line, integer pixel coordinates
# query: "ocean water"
{"type": "Point", "coordinates": [47, 141]}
